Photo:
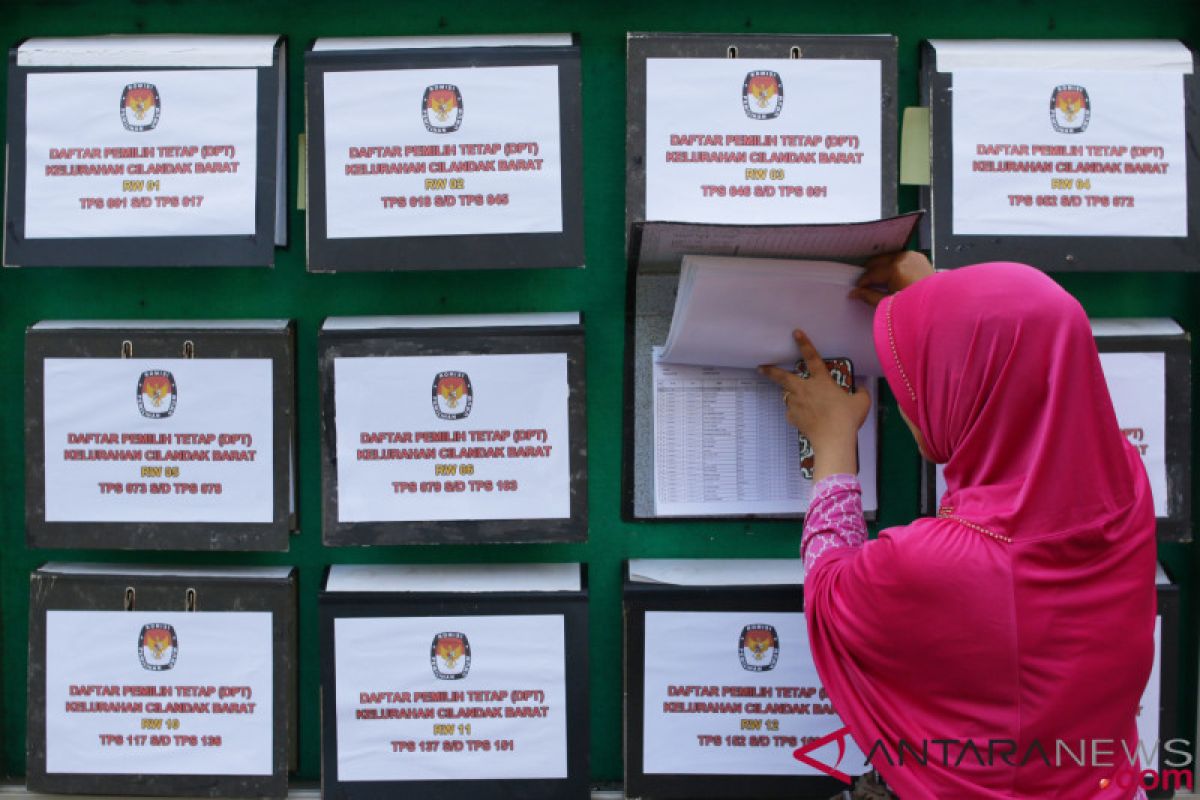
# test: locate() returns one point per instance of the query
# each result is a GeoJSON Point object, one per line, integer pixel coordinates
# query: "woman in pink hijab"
{"type": "Point", "coordinates": [1019, 621]}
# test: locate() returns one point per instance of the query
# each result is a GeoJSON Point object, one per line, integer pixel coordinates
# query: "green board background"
{"type": "Point", "coordinates": [27, 296]}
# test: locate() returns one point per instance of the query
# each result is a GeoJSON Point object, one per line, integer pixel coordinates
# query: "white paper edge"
{"type": "Point", "coordinates": [155, 324]}
{"type": "Point", "coordinates": [1161, 578]}
{"type": "Point", "coordinates": [717, 571]}
{"type": "Point", "coordinates": [1165, 55]}
{"type": "Point", "coordinates": [170, 50]}
{"type": "Point", "coordinates": [154, 570]}
{"type": "Point", "coordinates": [535, 319]}
{"type": "Point", "coordinates": [427, 42]}
{"type": "Point", "coordinates": [468, 578]}
{"type": "Point", "coordinates": [1135, 326]}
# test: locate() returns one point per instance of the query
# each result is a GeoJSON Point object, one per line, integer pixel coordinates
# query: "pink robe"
{"type": "Point", "coordinates": [1022, 616]}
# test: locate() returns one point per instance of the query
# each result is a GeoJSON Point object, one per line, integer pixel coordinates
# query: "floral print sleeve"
{"type": "Point", "coordinates": [834, 519]}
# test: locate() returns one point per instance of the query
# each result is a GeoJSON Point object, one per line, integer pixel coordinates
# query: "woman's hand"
{"type": "Point", "coordinates": [892, 272]}
{"type": "Point", "coordinates": [822, 411]}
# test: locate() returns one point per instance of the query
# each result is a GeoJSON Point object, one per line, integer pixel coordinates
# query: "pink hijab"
{"type": "Point", "coordinates": [1025, 610]}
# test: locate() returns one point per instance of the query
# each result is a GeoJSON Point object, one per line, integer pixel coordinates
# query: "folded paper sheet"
{"type": "Point", "coordinates": [740, 312]}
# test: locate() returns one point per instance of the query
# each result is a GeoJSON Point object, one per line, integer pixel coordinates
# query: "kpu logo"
{"type": "Point", "coordinates": [758, 648]}
{"type": "Point", "coordinates": [762, 94]}
{"type": "Point", "coordinates": [1070, 109]}
{"type": "Point", "coordinates": [140, 107]}
{"type": "Point", "coordinates": [442, 108]}
{"type": "Point", "coordinates": [158, 647]}
{"type": "Point", "coordinates": [156, 394]}
{"type": "Point", "coordinates": [452, 395]}
{"type": "Point", "coordinates": [450, 656]}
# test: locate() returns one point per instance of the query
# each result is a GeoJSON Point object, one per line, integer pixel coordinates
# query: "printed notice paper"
{"type": "Point", "coordinates": [763, 141]}
{"type": "Point", "coordinates": [1068, 152]}
{"type": "Point", "coordinates": [722, 445]}
{"type": "Point", "coordinates": [141, 153]}
{"type": "Point", "coordinates": [1137, 385]}
{"type": "Point", "coordinates": [159, 440]}
{"type": "Point", "coordinates": [159, 692]}
{"type": "Point", "coordinates": [451, 698]}
{"type": "Point", "coordinates": [452, 437]}
{"type": "Point", "coordinates": [735, 693]}
{"type": "Point", "coordinates": [442, 152]}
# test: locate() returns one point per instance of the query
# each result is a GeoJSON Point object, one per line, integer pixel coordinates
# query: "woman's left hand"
{"type": "Point", "coordinates": [822, 411]}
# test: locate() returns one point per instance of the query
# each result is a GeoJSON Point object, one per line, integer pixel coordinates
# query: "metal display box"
{"type": "Point", "coordinates": [746, 591]}
{"type": "Point", "coordinates": [149, 342]}
{"type": "Point", "coordinates": [119, 589]}
{"type": "Point", "coordinates": [396, 594]}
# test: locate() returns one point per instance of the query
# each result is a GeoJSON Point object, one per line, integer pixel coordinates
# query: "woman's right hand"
{"type": "Point", "coordinates": [892, 272]}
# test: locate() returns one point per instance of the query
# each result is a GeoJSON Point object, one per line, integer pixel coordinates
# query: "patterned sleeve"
{"type": "Point", "coordinates": [834, 519]}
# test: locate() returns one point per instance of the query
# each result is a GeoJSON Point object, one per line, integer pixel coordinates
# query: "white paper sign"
{"type": "Point", "coordinates": [159, 692]}
{"type": "Point", "coordinates": [1148, 711]}
{"type": "Point", "coordinates": [1137, 385]}
{"type": "Point", "coordinates": [442, 152]}
{"type": "Point", "coordinates": [159, 440]}
{"type": "Point", "coordinates": [452, 437]}
{"type": "Point", "coordinates": [451, 698]}
{"type": "Point", "coordinates": [1069, 153]}
{"type": "Point", "coordinates": [735, 693]}
{"type": "Point", "coordinates": [762, 141]}
{"type": "Point", "coordinates": [141, 153]}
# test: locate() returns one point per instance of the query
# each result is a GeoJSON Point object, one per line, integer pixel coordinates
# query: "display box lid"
{"type": "Point", "coordinates": [1079, 54]}
{"type": "Point", "coordinates": [148, 51]}
{"type": "Point", "coordinates": [454, 578]}
{"type": "Point", "coordinates": [342, 44]}
{"type": "Point", "coordinates": [430, 321]}
{"type": "Point", "coordinates": [1136, 326]}
{"type": "Point", "coordinates": [717, 571]}
{"type": "Point", "coordinates": [249, 573]}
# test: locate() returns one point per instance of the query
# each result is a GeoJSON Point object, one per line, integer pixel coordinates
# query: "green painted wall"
{"type": "Point", "coordinates": [27, 296]}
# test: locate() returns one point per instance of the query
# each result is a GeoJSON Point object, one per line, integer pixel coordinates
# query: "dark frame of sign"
{"type": "Point", "coordinates": [384, 342]}
{"type": "Point", "coordinates": [476, 251]}
{"type": "Point", "coordinates": [721, 46]}
{"type": "Point", "coordinates": [277, 344]}
{"type": "Point", "coordinates": [1168, 659]}
{"type": "Point", "coordinates": [642, 597]}
{"type": "Point", "coordinates": [1050, 253]}
{"type": "Point", "coordinates": [256, 250]}
{"type": "Point", "coordinates": [166, 592]}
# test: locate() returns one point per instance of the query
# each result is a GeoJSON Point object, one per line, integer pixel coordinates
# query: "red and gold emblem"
{"type": "Point", "coordinates": [158, 646]}
{"type": "Point", "coordinates": [452, 395]}
{"type": "Point", "coordinates": [442, 108]}
{"type": "Point", "coordinates": [450, 656]}
{"type": "Point", "coordinates": [758, 648]}
{"type": "Point", "coordinates": [157, 394]}
{"type": "Point", "coordinates": [140, 107]}
{"type": "Point", "coordinates": [1070, 109]}
{"type": "Point", "coordinates": [762, 94]}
